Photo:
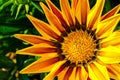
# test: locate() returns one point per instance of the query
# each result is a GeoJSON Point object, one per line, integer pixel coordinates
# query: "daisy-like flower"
{"type": "Point", "coordinates": [77, 43]}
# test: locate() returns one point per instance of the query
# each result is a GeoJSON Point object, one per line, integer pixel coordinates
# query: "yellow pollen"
{"type": "Point", "coordinates": [79, 47]}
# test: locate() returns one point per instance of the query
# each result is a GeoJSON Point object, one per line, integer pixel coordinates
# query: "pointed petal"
{"type": "Point", "coordinates": [113, 39]}
{"type": "Point", "coordinates": [110, 51]}
{"type": "Point", "coordinates": [81, 74]}
{"type": "Point", "coordinates": [53, 20]}
{"type": "Point", "coordinates": [97, 71]}
{"type": "Point", "coordinates": [84, 74]}
{"type": "Point", "coordinates": [95, 14]}
{"type": "Point", "coordinates": [38, 50]}
{"type": "Point", "coordinates": [78, 75]}
{"type": "Point", "coordinates": [68, 73]}
{"type": "Point", "coordinates": [73, 74]}
{"type": "Point", "coordinates": [45, 29]}
{"type": "Point", "coordinates": [114, 70]}
{"type": "Point", "coordinates": [108, 60]}
{"type": "Point", "coordinates": [113, 76]}
{"type": "Point", "coordinates": [33, 39]}
{"type": "Point", "coordinates": [65, 7]}
{"type": "Point", "coordinates": [61, 75]}
{"type": "Point", "coordinates": [106, 27]}
{"type": "Point", "coordinates": [116, 66]}
{"type": "Point", "coordinates": [78, 12]}
{"type": "Point", "coordinates": [91, 73]}
{"type": "Point", "coordinates": [55, 70]}
{"type": "Point", "coordinates": [74, 5]}
{"type": "Point", "coordinates": [103, 70]}
{"type": "Point", "coordinates": [112, 12]}
{"type": "Point", "coordinates": [32, 19]}
{"type": "Point", "coordinates": [109, 55]}
{"type": "Point", "coordinates": [58, 14]}
{"type": "Point", "coordinates": [82, 11]}
{"type": "Point", "coordinates": [41, 65]}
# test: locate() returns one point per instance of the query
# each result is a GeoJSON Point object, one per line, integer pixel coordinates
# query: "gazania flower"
{"type": "Point", "coordinates": [77, 43]}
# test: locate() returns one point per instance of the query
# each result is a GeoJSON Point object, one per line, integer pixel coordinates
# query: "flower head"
{"type": "Point", "coordinates": [79, 43]}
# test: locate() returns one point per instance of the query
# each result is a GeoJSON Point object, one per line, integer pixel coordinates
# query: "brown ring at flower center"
{"type": "Point", "coordinates": [79, 47]}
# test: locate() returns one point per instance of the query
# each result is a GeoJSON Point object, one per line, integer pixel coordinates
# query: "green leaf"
{"type": "Point", "coordinates": [7, 30]}
{"type": "Point", "coordinates": [23, 77]}
{"type": "Point", "coordinates": [5, 62]}
{"type": "Point", "coordinates": [18, 10]}
{"type": "Point", "coordinates": [107, 5]}
{"type": "Point", "coordinates": [1, 2]}
{"type": "Point", "coordinates": [29, 61]}
{"type": "Point", "coordinates": [27, 8]}
{"type": "Point", "coordinates": [13, 8]}
{"type": "Point", "coordinates": [3, 75]}
{"type": "Point", "coordinates": [5, 5]}
{"type": "Point", "coordinates": [37, 7]}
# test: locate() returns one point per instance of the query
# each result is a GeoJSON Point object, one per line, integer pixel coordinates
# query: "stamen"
{"type": "Point", "coordinates": [79, 47]}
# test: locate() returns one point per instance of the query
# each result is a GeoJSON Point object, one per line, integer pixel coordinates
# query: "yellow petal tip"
{"type": "Point", "coordinates": [41, 4]}
{"type": "Point", "coordinates": [23, 72]}
{"type": "Point", "coordinates": [19, 36]}
{"type": "Point", "coordinates": [27, 15]}
{"type": "Point", "coordinates": [30, 17]}
{"type": "Point", "coordinates": [18, 52]}
{"type": "Point", "coordinates": [16, 35]}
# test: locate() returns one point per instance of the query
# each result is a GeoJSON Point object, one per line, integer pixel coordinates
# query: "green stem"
{"type": "Point", "coordinates": [13, 8]}
{"type": "Point", "coordinates": [5, 5]}
{"type": "Point", "coordinates": [18, 10]}
{"type": "Point", "coordinates": [37, 7]}
{"type": "Point", "coordinates": [12, 73]}
{"type": "Point", "coordinates": [27, 8]}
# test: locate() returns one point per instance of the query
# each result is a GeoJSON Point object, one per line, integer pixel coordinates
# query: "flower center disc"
{"type": "Point", "coordinates": [79, 47]}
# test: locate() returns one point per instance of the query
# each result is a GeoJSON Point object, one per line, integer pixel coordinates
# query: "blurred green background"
{"type": "Point", "coordinates": [12, 21]}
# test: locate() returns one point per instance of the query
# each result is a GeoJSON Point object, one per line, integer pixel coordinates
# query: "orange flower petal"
{"type": "Point", "coordinates": [106, 27]}
{"type": "Point", "coordinates": [55, 70]}
{"type": "Point", "coordinates": [53, 20]}
{"type": "Point", "coordinates": [78, 12]}
{"type": "Point", "coordinates": [112, 12]}
{"type": "Point", "coordinates": [113, 76]}
{"type": "Point", "coordinates": [61, 75]}
{"type": "Point", "coordinates": [73, 9]}
{"type": "Point", "coordinates": [73, 74]}
{"type": "Point", "coordinates": [113, 39]}
{"type": "Point", "coordinates": [116, 67]}
{"type": "Point", "coordinates": [38, 50]}
{"type": "Point", "coordinates": [44, 29]}
{"type": "Point", "coordinates": [68, 73]}
{"type": "Point", "coordinates": [83, 74]}
{"type": "Point", "coordinates": [78, 76]}
{"type": "Point", "coordinates": [95, 69]}
{"type": "Point", "coordinates": [95, 14]}
{"type": "Point", "coordinates": [33, 39]}
{"type": "Point", "coordinates": [65, 7]}
{"type": "Point", "coordinates": [82, 11]}
{"type": "Point", "coordinates": [110, 51]}
{"type": "Point", "coordinates": [41, 65]}
{"type": "Point", "coordinates": [109, 60]}
{"type": "Point", "coordinates": [58, 14]}
{"type": "Point", "coordinates": [74, 5]}
{"type": "Point", "coordinates": [114, 70]}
